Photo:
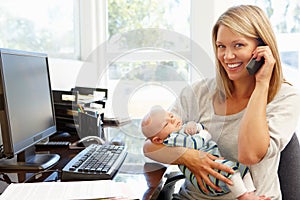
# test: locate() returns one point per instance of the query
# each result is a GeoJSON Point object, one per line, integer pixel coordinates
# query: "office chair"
{"type": "Point", "coordinates": [288, 171]}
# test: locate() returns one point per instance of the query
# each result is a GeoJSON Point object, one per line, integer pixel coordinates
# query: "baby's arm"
{"type": "Point", "coordinates": [182, 139]}
{"type": "Point", "coordinates": [192, 128]}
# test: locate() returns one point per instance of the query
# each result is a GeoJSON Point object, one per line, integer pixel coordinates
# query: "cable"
{"type": "Point", "coordinates": [5, 178]}
{"type": "Point", "coordinates": [1, 151]}
{"type": "Point", "coordinates": [45, 171]}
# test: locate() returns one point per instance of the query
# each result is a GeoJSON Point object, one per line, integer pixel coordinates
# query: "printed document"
{"type": "Point", "coordinates": [99, 189]}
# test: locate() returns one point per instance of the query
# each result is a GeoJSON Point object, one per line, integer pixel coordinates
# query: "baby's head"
{"type": "Point", "coordinates": [152, 123]}
{"type": "Point", "coordinates": [158, 124]}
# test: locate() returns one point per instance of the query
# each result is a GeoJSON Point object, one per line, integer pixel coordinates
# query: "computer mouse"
{"type": "Point", "coordinates": [86, 141]}
{"type": "Point", "coordinates": [117, 142]}
{"type": "Point", "coordinates": [60, 135]}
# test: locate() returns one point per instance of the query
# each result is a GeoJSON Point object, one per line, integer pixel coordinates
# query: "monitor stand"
{"type": "Point", "coordinates": [29, 161]}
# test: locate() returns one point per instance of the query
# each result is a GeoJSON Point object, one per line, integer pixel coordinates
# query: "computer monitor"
{"type": "Point", "coordinates": [26, 110]}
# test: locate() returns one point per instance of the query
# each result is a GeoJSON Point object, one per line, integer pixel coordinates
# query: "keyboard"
{"type": "Point", "coordinates": [95, 162]}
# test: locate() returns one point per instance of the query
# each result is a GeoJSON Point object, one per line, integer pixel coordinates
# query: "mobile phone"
{"type": "Point", "coordinates": [253, 66]}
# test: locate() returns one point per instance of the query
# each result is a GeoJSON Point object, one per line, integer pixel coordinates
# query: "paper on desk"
{"type": "Point", "coordinates": [69, 190]}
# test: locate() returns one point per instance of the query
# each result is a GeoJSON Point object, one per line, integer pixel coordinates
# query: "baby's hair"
{"type": "Point", "coordinates": [145, 122]}
{"type": "Point", "coordinates": [147, 126]}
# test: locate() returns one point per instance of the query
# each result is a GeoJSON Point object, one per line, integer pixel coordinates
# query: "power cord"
{"type": "Point", "coordinates": [1, 151]}
{"type": "Point", "coordinates": [5, 178]}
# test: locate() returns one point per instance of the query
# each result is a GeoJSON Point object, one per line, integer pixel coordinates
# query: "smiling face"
{"type": "Point", "coordinates": [234, 51]}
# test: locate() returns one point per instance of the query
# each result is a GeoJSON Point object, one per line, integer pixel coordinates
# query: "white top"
{"type": "Point", "coordinates": [282, 116]}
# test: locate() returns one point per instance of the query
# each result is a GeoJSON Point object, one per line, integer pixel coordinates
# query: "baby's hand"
{"type": "Point", "coordinates": [191, 128]}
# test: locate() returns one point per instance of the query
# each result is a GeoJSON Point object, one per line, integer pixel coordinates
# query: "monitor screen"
{"type": "Point", "coordinates": [26, 105]}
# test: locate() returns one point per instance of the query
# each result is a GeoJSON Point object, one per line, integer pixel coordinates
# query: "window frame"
{"type": "Point", "coordinates": [92, 25]}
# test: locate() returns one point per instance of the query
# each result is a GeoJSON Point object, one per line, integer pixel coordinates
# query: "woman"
{"type": "Point", "coordinates": [251, 117]}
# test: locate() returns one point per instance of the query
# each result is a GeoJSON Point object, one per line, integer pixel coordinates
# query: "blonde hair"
{"type": "Point", "coordinates": [249, 21]}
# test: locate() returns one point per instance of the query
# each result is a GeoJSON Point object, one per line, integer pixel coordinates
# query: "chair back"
{"type": "Point", "coordinates": [289, 170]}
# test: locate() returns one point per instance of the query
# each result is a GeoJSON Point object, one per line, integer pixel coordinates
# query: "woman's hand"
{"type": "Point", "coordinates": [202, 164]}
{"type": "Point", "coordinates": [265, 72]}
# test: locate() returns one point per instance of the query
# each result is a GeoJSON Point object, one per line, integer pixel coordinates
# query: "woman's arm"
{"type": "Point", "coordinates": [254, 137]}
{"type": "Point", "coordinates": [199, 163]}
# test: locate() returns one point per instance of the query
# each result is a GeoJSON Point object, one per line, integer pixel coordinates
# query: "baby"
{"type": "Point", "coordinates": [163, 127]}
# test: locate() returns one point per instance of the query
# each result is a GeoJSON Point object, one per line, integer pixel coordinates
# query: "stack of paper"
{"type": "Point", "coordinates": [103, 189]}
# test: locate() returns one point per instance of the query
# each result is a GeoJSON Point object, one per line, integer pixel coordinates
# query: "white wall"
{"type": "Point", "coordinates": [63, 73]}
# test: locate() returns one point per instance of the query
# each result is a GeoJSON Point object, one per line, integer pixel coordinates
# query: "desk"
{"type": "Point", "coordinates": [135, 169]}
{"type": "Point", "coordinates": [147, 175]}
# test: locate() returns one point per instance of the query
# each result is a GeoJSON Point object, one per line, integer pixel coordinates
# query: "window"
{"type": "Point", "coordinates": [147, 43]}
{"type": "Point", "coordinates": [128, 15]}
{"type": "Point", "coordinates": [139, 27]}
{"type": "Point", "coordinates": [137, 77]}
{"type": "Point", "coordinates": [43, 26]}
